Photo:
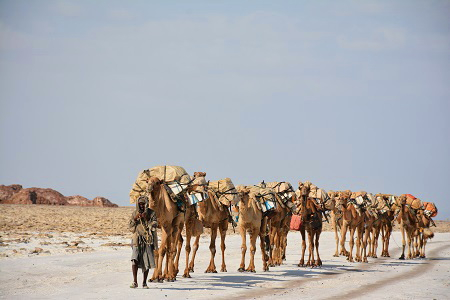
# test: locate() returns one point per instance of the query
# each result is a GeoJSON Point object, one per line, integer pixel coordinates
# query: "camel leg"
{"type": "Point", "coordinates": [383, 241]}
{"type": "Point", "coordinates": [358, 244]}
{"type": "Point", "coordinates": [387, 240]}
{"type": "Point", "coordinates": [188, 252]}
{"type": "Point", "coordinates": [277, 246]}
{"type": "Point", "coordinates": [179, 247]}
{"type": "Point", "coordinates": [318, 261]}
{"type": "Point", "coordinates": [336, 235]}
{"type": "Point", "coordinates": [264, 255]}
{"type": "Point", "coordinates": [253, 236]}
{"type": "Point", "coordinates": [302, 259]}
{"type": "Point", "coordinates": [351, 243]}
{"type": "Point", "coordinates": [212, 248]}
{"type": "Point", "coordinates": [416, 244]}
{"type": "Point", "coordinates": [223, 227]}
{"type": "Point", "coordinates": [157, 274]}
{"type": "Point", "coordinates": [366, 241]}
{"type": "Point", "coordinates": [403, 242]}
{"type": "Point", "coordinates": [311, 262]}
{"type": "Point", "coordinates": [194, 253]}
{"type": "Point", "coordinates": [272, 244]}
{"type": "Point", "coordinates": [343, 236]}
{"type": "Point", "coordinates": [243, 248]}
{"type": "Point", "coordinates": [410, 244]}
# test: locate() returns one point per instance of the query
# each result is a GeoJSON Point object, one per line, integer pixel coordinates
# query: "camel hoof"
{"type": "Point", "coordinates": [191, 270]}
{"type": "Point", "coordinates": [223, 270]}
{"type": "Point", "coordinates": [335, 255]}
{"type": "Point", "coordinates": [241, 270]}
{"type": "Point", "coordinates": [272, 265]}
{"type": "Point", "coordinates": [402, 257]}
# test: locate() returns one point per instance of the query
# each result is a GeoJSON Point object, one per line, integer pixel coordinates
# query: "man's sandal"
{"type": "Point", "coordinates": [134, 285]}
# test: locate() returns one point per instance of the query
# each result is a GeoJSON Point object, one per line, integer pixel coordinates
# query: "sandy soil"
{"type": "Point", "coordinates": [76, 252]}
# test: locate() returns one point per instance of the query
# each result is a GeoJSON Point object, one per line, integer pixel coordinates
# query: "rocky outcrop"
{"type": "Point", "coordinates": [37, 196]}
{"type": "Point", "coordinates": [15, 194]}
{"type": "Point", "coordinates": [78, 200]}
{"type": "Point", "coordinates": [7, 191]}
{"type": "Point", "coordinates": [103, 202]}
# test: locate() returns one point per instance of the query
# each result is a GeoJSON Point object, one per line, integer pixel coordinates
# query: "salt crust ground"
{"type": "Point", "coordinates": [68, 272]}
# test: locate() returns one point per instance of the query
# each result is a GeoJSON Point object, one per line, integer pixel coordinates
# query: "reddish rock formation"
{"type": "Point", "coordinates": [6, 191]}
{"type": "Point", "coordinates": [78, 200]}
{"type": "Point", "coordinates": [103, 202]}
{"type": "Point", "coordinates": [15, 194]}
{"type": "Point", "coordinates": [37, 196]}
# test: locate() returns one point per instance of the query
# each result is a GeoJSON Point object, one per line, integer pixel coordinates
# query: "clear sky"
{"type": "Point", "coordinates": [347, 94]}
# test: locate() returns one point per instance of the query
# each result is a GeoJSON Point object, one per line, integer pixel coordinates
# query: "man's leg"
{"type": "Point", "coordinates": [134, 268]}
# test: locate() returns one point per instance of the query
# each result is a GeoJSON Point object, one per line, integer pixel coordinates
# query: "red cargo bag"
{"type": "Point", "coordinates": [296, 222]}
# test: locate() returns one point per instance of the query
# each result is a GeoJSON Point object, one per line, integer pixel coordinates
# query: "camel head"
{"type": "Point", "coordinates": [401, 200]}
{"type": "Point", "coordinates": [243, 194]}
{"type": "Point", "coordinates": [199, 183]}
{"type": "Point", "coordinates": [304, 188]}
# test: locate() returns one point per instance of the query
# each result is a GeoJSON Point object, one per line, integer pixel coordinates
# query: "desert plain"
{"type": "Point", "coordinates": [84, 252]}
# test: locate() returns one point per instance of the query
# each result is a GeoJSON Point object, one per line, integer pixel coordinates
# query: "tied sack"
{"type": "Point", "coordinates": [225, 191]}
{"type": "Point", "coordinates": [412, 201]}
{"type": "Point", "coordinates": [430, 209]}
{"type": "Point", "coordinates": [169, 174]}
{"type": "Point", "coordinates": [296, 222]}
{"type": "Point", "coordinates": [283, 189]}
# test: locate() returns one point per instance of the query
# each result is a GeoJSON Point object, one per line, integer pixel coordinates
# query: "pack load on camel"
{"type": "Point", "coordinates": [265, 198]}
{"type": "Point", "coordinates": [430, 209]}
{"type": "Point", "coordinates": [413, 202]}
{"type": "Point", "coordinates": [284, 191]}
{"type": "Point", "coordinates": [198, 192]}
{"type": "Point", "coordinates": [320, 196]}
{"type": "Point", "coordinates": [225, 191]}
{"type": "Point", "coordinates": [175, 179]}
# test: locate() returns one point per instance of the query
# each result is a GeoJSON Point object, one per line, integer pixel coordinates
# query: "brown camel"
{"type": "Point", "coordinates": [353, 220]}
{"type": "Point", "coordinates": [279, 220]}
{"type": "Point", "coordinates": [372, 225]}
{"type": "Point", "coordinates": [423, 232]}
{"type": "Point", "coordinates": [408, 225]}
{"type": "Point", "coordinates": [214, 215]}
{"type": "Point", "coordinates": [337, 220]}
{"type": "Point", "coordinates": [251, 220]}
{"type": "Point", "coordinates": [170, 219]}
{"type": "Point", "coordinates": [311, 223]}
{"type": "Point", "coordinates": [386, 209]}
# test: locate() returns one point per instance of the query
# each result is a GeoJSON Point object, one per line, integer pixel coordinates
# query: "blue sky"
{"type": "Point", "coordinates": [347, 94]}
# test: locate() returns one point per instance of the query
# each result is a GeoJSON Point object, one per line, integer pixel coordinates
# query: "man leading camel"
{"type": "Point", "coordinates": [144, 240]}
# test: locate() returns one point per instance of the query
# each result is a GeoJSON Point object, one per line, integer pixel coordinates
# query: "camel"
{"type": "Point", "coordinates": [353, 221]}
{"type": "Point", "coordinates": [408, 225]}
{"type": "Point", "coordinates": [311, 223]}
{"type": "Point", "coordinates": [279, 221]}
{"type": "Point", "coordinates": [336, 221]}
{"type": "Point", "coordinates": [372, 226]}
{"type": "Point", "coordinates": [423, 232]}
{"type": "Point", "coordinates": [251, 220]}
{"type": "Point", "coordinates": [214, 215]}
{"type": "Point", "coordinates": [386, 210]}
{"type": "Point", "coordinates": [170, 219]}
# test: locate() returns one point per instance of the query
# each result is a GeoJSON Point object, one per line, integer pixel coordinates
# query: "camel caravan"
{"type": "Point", "coordinates": [185, 205]}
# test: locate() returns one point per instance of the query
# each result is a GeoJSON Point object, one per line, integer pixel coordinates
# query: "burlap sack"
{"type": "Point", "coordinates": [225, 191]}
{"type": "Point", "coordinates": [412, 201]}
{"type": "Point", "coordinates": [169, 173]}
{"type": "Point", "coordinates": [312, 191]}
{"type": "Point", "coordinates": [262, 195]}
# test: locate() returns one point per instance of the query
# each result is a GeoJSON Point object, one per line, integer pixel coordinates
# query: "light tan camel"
{"type": "Point", "coordinates": [214, 215]}
{"type": "Point", "coordinates": [408, 225]}
{"type": "Point", "coordinates": [423, 232]}
{"type": "Point", "coordinates": [251, 220]}
{"type": "Point", "coordinates": [336, 220]}
{"type": "Point", "coordinates": [353, 221]}
{"type": "Point", "coordinates": [311, 224]}
{"type": "Point", "coordinates": [170, 219]}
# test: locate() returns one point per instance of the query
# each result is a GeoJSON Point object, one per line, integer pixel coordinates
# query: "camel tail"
{"type": "Point", "coordinates": [427, 233]}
